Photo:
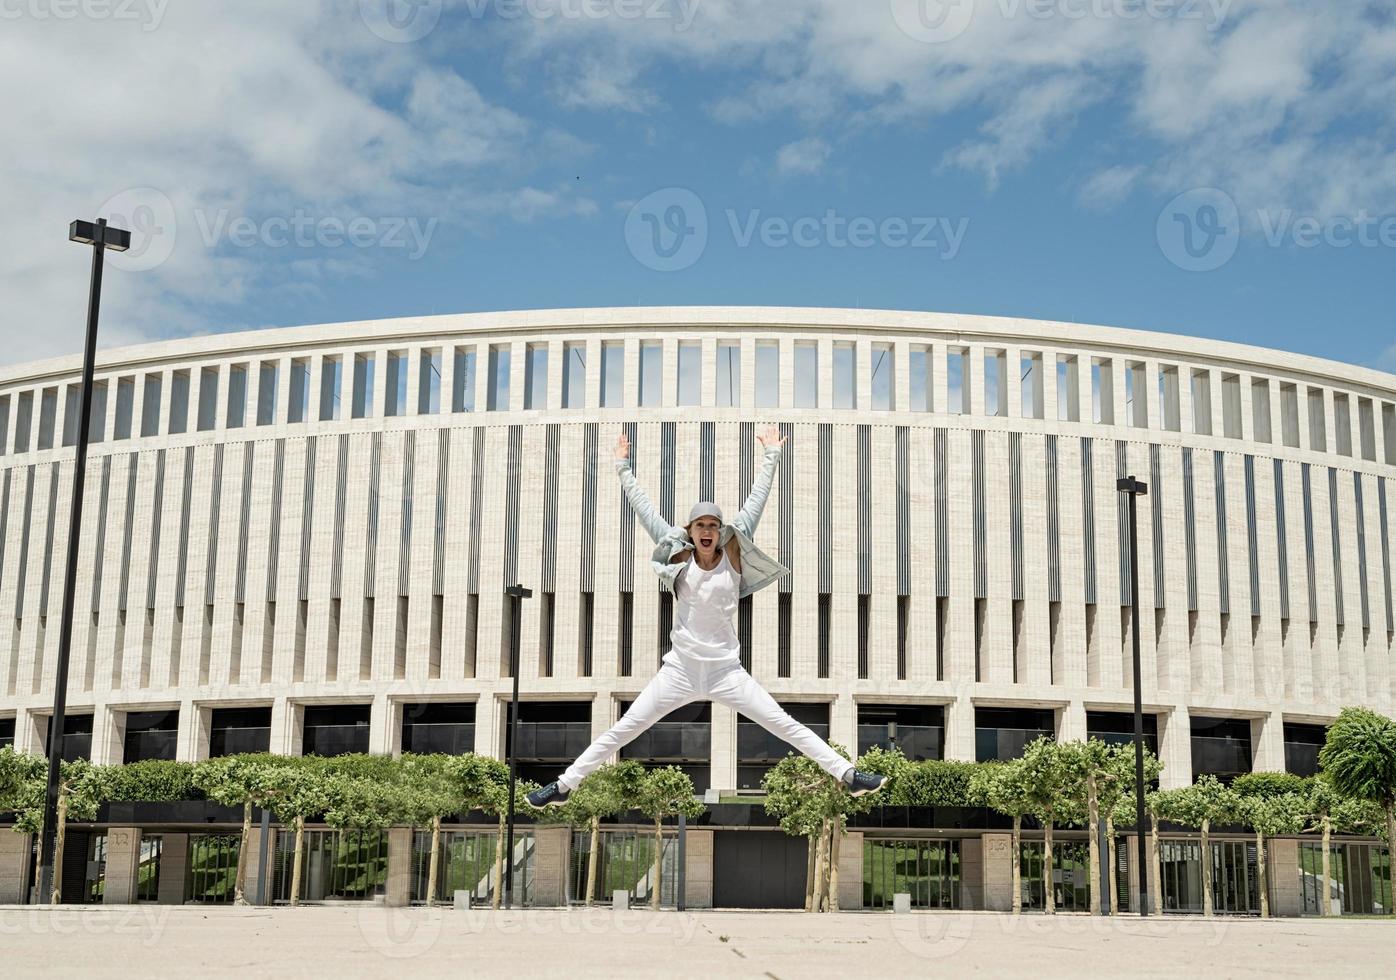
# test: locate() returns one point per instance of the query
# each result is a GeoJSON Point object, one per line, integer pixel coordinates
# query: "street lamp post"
{"type": "Point", "coordinates": [517, 594]}
{"type": "Point", "coordinates": [1134, 489]}
{"type": "Point", "coordinates": [101, 237]}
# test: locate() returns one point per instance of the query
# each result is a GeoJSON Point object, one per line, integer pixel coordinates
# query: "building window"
{"type": "Point", "coordinates": [179, 401]}
{"type": "Point", "coordinates": [447, 728]}
{"type": "Point", "coordinates": [1342, 424]}
{"type": "Point", "coordinates": [917, 731]}
{"type": "Point", "coordinates": [335, 729]}
{"type": "Point", "coordinates": [922, 380]}
{"type": "Point", "coordinates": [690, 373]}
{"type": "Point", "coordinates": [845, 376]}
{"type": "Point", "coordinates": [1136, 396]}
{"type": "Point", "coordinates": [1289, 415]}
{"type": "Point", "coordinates": [768, 375]}
{"type": "Point", "coordinates": [957, 398]}
{"type": "Point", "coordinates": [551, 736]}
{"type": "Point", "coordinates": [1117, 728]}
{"type": "Point", "coordinates": [429, 383]}
{"type": "Point", "coordinates": [234, 731]}
{"type": "Point", "coordinates": [299, 409]}
{"type": "Point", "coordinates": [397, 384]}
{"type": "Point", "coordinates": [1030, 385]}
{"type": "Point", "coordinates": [331, 377]}
{"type": "Point", "coordinates": [1260, 410]}
{"type": "Point", "coordinates": [1221, 747]}
{"type": "Point", "coordinates": [1318, 436]}
{"type": "Point", "coordinates": [883, 385]}
{"type": "Point", "coordinates": [463, 381]}
{"type": "Point", "coordinates": [497, 395]}
{"type": "Point", "coordinates": [269, 377]}
{"type": "Point", "coordinates": [758, 750]}
{"type": "Point", "coordinates": [150, 406]}
{"type": "Point", "coordinates": [362, 404]}
{"type": "Point", "coordinates": [150, 735]}
{"type": "Point", "coordinates": [48, 412]}
{"type": "Point", "coordinates": [536, 377]}
{"type": "Point", "coordinates": [651, 375]}
{"type": "Point", "coordinates": [1068, 389]}
{"type": "Point", "coordinates": [1103, 391]}
{"type": "Point", "coordinates": [208, 399]}
{"type": "Point", "coordinates": [729, 375]}
{"type": "Point", "coordinates": [1231, 406]}
{"type": "Point", "coordinates": [682, 738]}
{"type": "Point", "coordinates": [237, 396]}
{"type": "Point", "coordinates": [125, 409]}
{"type": "Point", "coordinates": [1302, 745]}
{"type": "Point", "coordinates": [1001, 734]}
{"type": "Point", "coordinates": [613, 375]}
{"type": "Point", "coordinates": [574, 375]}
{"type": "Point", "coordinates": [995, 383]}
{"type": "Point", "coordinates": [1168, 399]}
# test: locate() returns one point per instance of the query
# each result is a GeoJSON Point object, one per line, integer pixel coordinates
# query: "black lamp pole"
{"type": "Point", "coordinates": [1134, 489]}
{"type": "Point", "coordinates": [517, 594]}
{"type": "Point", "coordinates": [101, 238]}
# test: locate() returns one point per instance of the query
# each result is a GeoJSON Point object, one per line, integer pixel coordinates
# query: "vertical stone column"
{"type": "Point", "coordinates": [998, 860]}
{"type": "Point", "coordinates": [15, 850]}
{"type": "Point", "coordinates": [123, 860]}
{"type": "Point", "coordinates": [1268, 738]}
{"type": "Point", "coordinates": [971, 873]}
{"type": "Point", "coordinates": [254, 848]}
{"type": "Point", "coordinates": [851, 871]}
{"type": "Point", "coordinates": [174, 869]}
{"type": "Point", "coordinates": [398, 891]}
{"type": "Point", "coordinates": [1175, 748]}
{"type": "Point", "coordinates": [959, 730]}
{"type": "Point", "coordinates": [1286, 896]}
{"type": "Point", "coordinates": [698, 869]}
{"type": "Point", "coordinates": [551, 858]}
{"type": "Point", "coordinates": [724, 748]}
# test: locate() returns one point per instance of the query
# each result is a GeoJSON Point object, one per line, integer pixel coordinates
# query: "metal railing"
{"type": "Point", "coordinates": [626, 860]}
{"type": "Point", "coordinates": [447, 737]}
{"type": "Point", "coordinates": [1220, 756]}
{"type": "Point", "coordinates": [929, 870]}
{"type": "Point", "coordinates": [1004, 744]}
{"type": "Point", "coordinates": [150, 744]}
{"type": "Point", "coordinates": [236, 741]}
{"type": "Point", "coordinates": [467, 864]}
{"type": "Point", "coordinates": [343, 865]}
{"type": "Point", "coordinates": [1301, 758]}
{"type": "Point", "coordinates": [329, 740]}
{"type": "Point", "coordinates": [213, 866]}
{"type": "Point", "coordinates": [672, 741]}
{"type": "Point", "coordinates": [560, 740]}
{"type": "Point", "coordinates": [915, 741]}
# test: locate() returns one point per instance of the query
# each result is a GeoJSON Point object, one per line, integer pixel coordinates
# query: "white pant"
{"type": "Point", "coordinates": [682, 680]}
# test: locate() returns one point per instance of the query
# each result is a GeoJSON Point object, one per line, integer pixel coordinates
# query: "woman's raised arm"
{"type": "Point", "coordinates": [650, 519]}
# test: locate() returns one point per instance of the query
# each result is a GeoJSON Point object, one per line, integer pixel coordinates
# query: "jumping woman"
{"type": "Point", "coordinates": [708, 565]}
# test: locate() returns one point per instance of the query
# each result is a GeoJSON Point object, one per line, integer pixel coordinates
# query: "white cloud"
{"type": "Point", "coordinates": [803, 157]}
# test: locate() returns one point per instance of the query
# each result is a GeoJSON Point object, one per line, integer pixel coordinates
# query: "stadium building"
{"type": "Point", "coordinates": [298, 540]}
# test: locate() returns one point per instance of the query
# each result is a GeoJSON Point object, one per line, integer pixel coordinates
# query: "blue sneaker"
{"type": "Point", "coordinates": [863, 783]}
{"type": "Point", "coordinates": [550, 795]}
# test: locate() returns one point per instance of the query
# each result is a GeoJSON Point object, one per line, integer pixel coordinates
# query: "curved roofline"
{"type": "Point", "coordinates": [1166, 346]}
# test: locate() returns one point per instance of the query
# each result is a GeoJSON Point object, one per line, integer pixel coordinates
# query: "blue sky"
{"type": "Point", "coordinates": [1196, 168]}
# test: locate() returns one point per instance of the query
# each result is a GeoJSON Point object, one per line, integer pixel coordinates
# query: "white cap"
{"type": "Point", "coordinates": [705, 509]}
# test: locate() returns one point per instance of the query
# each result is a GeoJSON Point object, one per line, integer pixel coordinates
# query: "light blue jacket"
{"type": "Point", "coordinates": [758, 569]}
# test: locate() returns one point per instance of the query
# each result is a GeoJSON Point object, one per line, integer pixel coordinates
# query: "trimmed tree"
{"type": "Point", "coordinates": [1204, 803]}
{"type": "Point", "coordinates": [1117, 802]}
{"type": "Point", "coordinates": [1002, 787]}
{"type": "Point", "coordinates": [1269, 816]}
{"type": "Point", "coordinates": [1049, 786]}
{"type": "Point", "coordinates": [664, 792]}
{"type": "Point", "coordinates": [299, 792]}
{"type": "Point", "coordinates": [484, 785]}
{"type": "Point", "coordinates": [1359, 759]}
{"type": "Point", "coordinates": [241, 781]}
{"type": "Point", "coordinates": [1325, 811]}
{"type": "Point", "coordinates": [606, 792]}
{"type": "Point", "coordinates": [79, 795]}
{"type": "Point", "coordinates": [424, 794]}
{"type": "Point", "coordinates": [810, 803]}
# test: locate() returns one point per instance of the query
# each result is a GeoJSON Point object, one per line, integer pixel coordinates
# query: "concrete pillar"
{"type": "Point", "coordinates": [851, 871]}
{"type": "Point", "coordinates": [998, 858]}
{"type": "Point", "coordinates": [254, 847]}
{"type": "Point", "coordinates": [1175, 748]}
{"type": "Point", "coordinates": [552, 848]}
{"type": "Point", "coordinates": [123, 860]}
{"type": "Point", "coordinates": [698, 869]}
{"type": "Point", "coordinates": [971, 873]}
{"type": "Point", "coordinates": [1071, 723]}
{"type": "Point", "coordinates": [959, 730]}
{"type": "Point", "coordinates": [174, 869]}
{"type": "Point", "coordinates": [15, 850]}
{"type": "Point", "coordinates": [398, 891]}
{"type": "Point", "coordinates": [843, 722]}
{"type": "Point", "coordinates": [1268, 739]}
{"type": "Point", "coordinates": [1286, 896]}
{"type": "Point", "coordinates": [724, 748]}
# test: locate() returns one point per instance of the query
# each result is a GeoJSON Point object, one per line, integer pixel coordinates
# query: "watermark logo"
{"type": "Point", "coordinates": [933, 21]}
{"type": "Point", "coordinates": [400, 933]}
{"type": "Point", "coordinates": [400, 21]}
{"type": "Point", "coordinates": [302, 229]}
{"type": "Point", "coordinates": [149, 215]}
{"type": "Point", "coordinates": [667, 231]}
{"type": "Point", "coordinates": [930, 935]}
{"type": "Point", "coordinates": [1199, 230]}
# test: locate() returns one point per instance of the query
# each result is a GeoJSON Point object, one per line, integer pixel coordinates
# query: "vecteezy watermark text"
{"type": "Point", "coordinates": [404, 21]}
{"type": "Point", "coordinates": [148, 13]}
{"type": "Point", "coordinates": [305, 230]}
{"type": "Point", "coordinates": [938, 21]}
{"type": "Point", "coordinates": [668, 230]}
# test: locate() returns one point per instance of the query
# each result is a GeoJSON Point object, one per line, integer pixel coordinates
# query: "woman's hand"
{"type": "Point", "coordinates": [623, 447]}
{"type": "Point", "coordinates": [771, 437]}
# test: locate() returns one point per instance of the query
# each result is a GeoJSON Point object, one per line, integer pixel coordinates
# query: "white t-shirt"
{"type": "Point", "coordinates": [707, 602]}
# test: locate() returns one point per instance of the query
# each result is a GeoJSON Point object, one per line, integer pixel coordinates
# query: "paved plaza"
{"type": "Point", "coordinates": [374, 941]}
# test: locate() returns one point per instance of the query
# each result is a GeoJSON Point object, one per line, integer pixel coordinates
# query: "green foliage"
{"type": "Point", "coordinates": [1359, 756]}
{"type": "Point", "coordinates": [1270, 784]}
{"type": "Point", "coordinates": [1003, 787]}
{"type": "Point", "coordinates": [1207, 800]}
{"type": "Point", "coordinates": [612, 789]}
{"type": "Point", "coordinates": [153, 780]}
{"type": "Point", "coordinates": [802, 796]}
{"type": "Point", "coordinates": [929, 782]}
{"type": "Point", "coordinates": [1269, 816]}
{"type": "Point", "coordinates": [1050, 783]}
{"type": "Point", "coordinates": [667, 792]}
{"type": "Point", "coordinates": [21, 777]}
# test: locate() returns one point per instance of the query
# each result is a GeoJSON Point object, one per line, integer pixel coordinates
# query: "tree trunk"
{"type": "Point", "coordinates": [1048, 879]}
{"type": "Point", "coordinates": [1264, 886]}
{"type": "Point", "coordinates": [811, 872]}
{"type": "Point", "coordinates": [1324, 896]}
{"type": "Point", "coordinates": [1156, 860]}
{"type": "Point", "coordinates": [239, 896]}
{"type": "Point", "coordinates": [499, 863]}
{"type": "Point", "coordinates": [821, 869]}
{"type": "Point", "coordinates": [297, 859]}
{"type": "Point", "coordinates": [1111, 882]}
{"type": "Point", "coordinates": [1016, 903]}
{"type": "Point", "coordinates": [1207, 868]}
{"type": "Point", "coordinates": [835, 837]}
{"type": "Point", "coordinates": [56, 892]}
{"type": "Point", "coordinates": [658, 863]}
{"type": "Point", "coordinates": [435, 863]}
{"type": "Point", "coordinates": [1093, 845]}
{"type": "Point", "coordinates": [593, 856]}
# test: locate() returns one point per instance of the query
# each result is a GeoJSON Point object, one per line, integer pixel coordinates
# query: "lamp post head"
{"type": "Point", "coordinates": [1132, 486]}
{"type": "Point", "coordinates": [99, 233]}
{"type": "Point", "coordinates": [519, 592]}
